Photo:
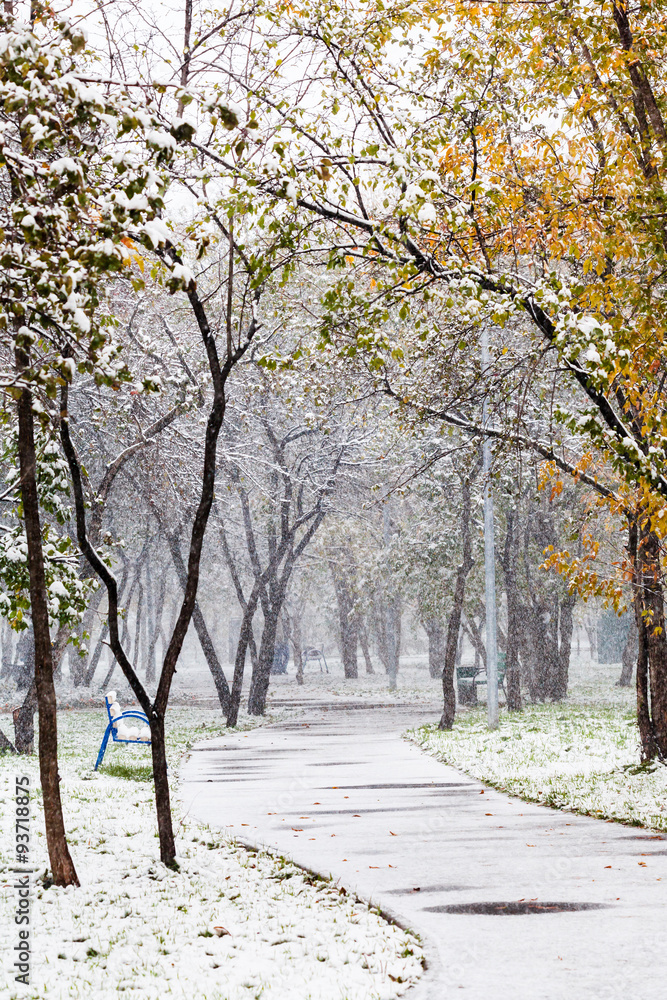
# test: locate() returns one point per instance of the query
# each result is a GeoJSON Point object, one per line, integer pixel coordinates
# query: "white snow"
{"type": "Point", "coordinates": [576, 755]}
{"type": "Point", "coordinates": [139, 930]}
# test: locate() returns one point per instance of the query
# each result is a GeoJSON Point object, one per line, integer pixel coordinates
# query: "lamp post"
{"type": "Point", "coordinates": [392, 652]}
{"type": "Point", "coordinates": [489, 559]}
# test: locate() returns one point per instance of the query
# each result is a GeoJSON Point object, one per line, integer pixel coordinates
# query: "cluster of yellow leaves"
{"type": "Point", "coordinates": [584, 579]}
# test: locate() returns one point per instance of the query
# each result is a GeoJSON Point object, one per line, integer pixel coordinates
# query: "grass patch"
{"type": "Point", "coordinates": [579, 757]}
{"type": "Point", "coordinates": [131, 772]}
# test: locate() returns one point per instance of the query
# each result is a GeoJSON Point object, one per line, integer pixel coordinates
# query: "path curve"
{"type": "Point", "coordinates": [341, 793]}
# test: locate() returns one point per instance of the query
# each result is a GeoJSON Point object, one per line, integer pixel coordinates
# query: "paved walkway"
{"type": "Point", "coordinates": [341, 793]}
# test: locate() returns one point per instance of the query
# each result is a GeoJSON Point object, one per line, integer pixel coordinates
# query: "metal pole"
{"type": "Point", "coordinates": [391, 609]}
{"type": "Point", "coordinates": [489, 561]}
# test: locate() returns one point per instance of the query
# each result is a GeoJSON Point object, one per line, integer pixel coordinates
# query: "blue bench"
{"type": "Point", "coordinates": [119, 731]}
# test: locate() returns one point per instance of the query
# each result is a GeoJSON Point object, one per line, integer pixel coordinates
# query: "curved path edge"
{"type": "Point", "coordinates": [343, 795]}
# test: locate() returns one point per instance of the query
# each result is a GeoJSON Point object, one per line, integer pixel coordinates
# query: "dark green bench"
{"type": "Point", "coordinates": [468, 677]}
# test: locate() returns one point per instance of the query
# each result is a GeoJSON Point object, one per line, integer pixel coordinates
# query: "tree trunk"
{"type": "Point", "coordinates": [245, 638]}
{"type": "Point", "coordinates": [347, 619]}
{"type": "Point", "coordinates": [99, 649]}
{"type": "Point", "coordinates": [214, 665]}
{"type": "Point", "coordinates": [7, 648]}
{"type": "Point", "coordinates": [509, 564]}
{"type": "Point", "coordinates": [297, 646]}
{"type": "Point", "coordinates": [62, 866]}
{"type": "Point", "coordinates": [23, 717]}
{"type": "Point", "coordinates": [648, 748]}
{"type": "Point", "coordinates": [293, 632]}
{"type": "Point", "coordinates": [365, 646]}
{"type": "Point", "coordinates": [436, 646]}
{"type": "Point", "coordinates": [79, 664]}
{"type": "Point", "coordinates": [259, 682]}
{"type": "Point", "coordinates": [125, 635]}
{"type": "Point", "coordinates": [559, 692]}
{"type": "Point", "coordinates": [454, 622]}
{"type": "Point", "coordinates": [157, 625]}
{"type": "Point", "coordinates": [628, 657]}
{"type": "Point", "coordinates": [24, 723]}
{"type": "Point", "coordinates": [591, 630]}
{"type": "Point", "coordinates": [653, 701]}
{"type": "Point", "coordinates": [138, 625]}
{"type": "Point", "coordinates": [24, 672]}
{"type": "Point", "coordinates": [388, 632]}
{"type": "Point", "coordinates": [203, 634]}
{"type": "Point", "coordinates": [6, 745]}
{"type": "Point", "coordinates": [155, 711]}
{"type": "Point", "coordinates": [162, 795]}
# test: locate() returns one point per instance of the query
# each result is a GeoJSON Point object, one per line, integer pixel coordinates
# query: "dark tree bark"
{"type": "Point", "coordinates": [259, 682]}
{"type": "Point", "coordinates": [138, 624]}
{"type": "Point", "coordinates": [23, 717]}
{"type": "Point", "coordinates": [651, 675]}
{"type": "Point", "coordinates": [592, 635]}
{"type": "Point", "coordinates": [435, 633]}
{"type": "Point", "coordinates": [155, 709]}
{"type": "Point", "coordinates": [644, 722]}
{"type": "Point", "coordinates": [246, 637]}
{"type": "Point", "coordinates": [246, 640]}
{"type": "Point", "coordinates": [454, 621]}
{"type": "Point", "coordinates": [348, 630]}
{"type": "Point", "coordinates": [104, 633]}
{"type": "Point", "coordinates": [158, 610]}
{"type": "Point", "coordinates": [62, 867]}
{"type": "Point", "coordinates": [24, 672]}
{"type": "Point", "coordinates": [125, 634]}
{"type": "Point", "coordinates": [97, 653]}
{"type": "Point", "coordinates": [292, 620]}
{"type": "Point", "coordinates": [24, 722]}
{"type": "Point", "coordinates": [509, 564]}
{"type": "Point", "coordinates": [628, 657]}
{"type": "Point", "coordinates": [6, 649]}
{"type": "Point", "coordinates": [203, 634]}
{"type": "Point", "coordinates": [387, 627]}
{"type": "Point", "coordinates": [78, 665]}
{"type": "Point", "coordinates": [566, 626]}
{"type": "Point", "coordinates": [282, 553]}
{"type": "Point", "coordinates": [365, 645]}
{"type": "Point", "coordinates": [6, 745]}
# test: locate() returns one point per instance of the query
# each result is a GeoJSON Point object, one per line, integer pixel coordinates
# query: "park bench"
{"type": "Point", "coordinates": [310, 653]}
{"type": "Point", "coordinates": [468, 677]}
{"type": "Point", "coordinates": [117, 728]}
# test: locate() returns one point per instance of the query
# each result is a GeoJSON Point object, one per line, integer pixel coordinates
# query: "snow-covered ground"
{"type": "Point", "coordinates": [137, 929]}
{"type": "Point", "coordinates": [582, 754]}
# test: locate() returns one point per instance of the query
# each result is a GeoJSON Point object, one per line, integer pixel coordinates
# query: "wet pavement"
{"type": "Point", "coordinates": [339, 791]}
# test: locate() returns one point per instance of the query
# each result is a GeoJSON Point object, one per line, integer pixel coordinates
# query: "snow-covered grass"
{"type": "Point", "coordinates": [581, 755]}
{"type": "Point", "coordinates": [139, 930]}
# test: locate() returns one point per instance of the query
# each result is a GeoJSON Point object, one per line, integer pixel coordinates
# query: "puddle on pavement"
{"type": "Point", "coordinates": [429, 784]}
{"type": "Point", "coordinates": [413, 890]}
{"type": "Point", "coordinates": [643, 836]}
{"type": "Point", "coordinates": [516, 908]}
{"type": "Point", "coordinates": [337, 763]}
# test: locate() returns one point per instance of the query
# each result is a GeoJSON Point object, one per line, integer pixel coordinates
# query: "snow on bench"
{"type": "Point", "coordinates": [118, 728]}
